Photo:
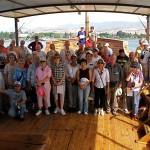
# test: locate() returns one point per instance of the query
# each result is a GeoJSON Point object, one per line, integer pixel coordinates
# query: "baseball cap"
{"type": "Point", "coordinates": [17, 83]}
{"type": "Point", "coordinates": [134, 65]}
{"type": "Point", "coordinates": [96, 49]}
{"type": "Point", "coordinates": [89, 52]}
{"type": "Point", "coordinates": [42, 58]}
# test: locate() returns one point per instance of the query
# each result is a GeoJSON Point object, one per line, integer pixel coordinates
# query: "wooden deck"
{"type": "Point", "coordinates": [79, 132]}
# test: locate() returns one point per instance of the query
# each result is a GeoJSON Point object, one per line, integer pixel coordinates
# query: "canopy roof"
{"type": "Point", "coordinates": [25, 8]}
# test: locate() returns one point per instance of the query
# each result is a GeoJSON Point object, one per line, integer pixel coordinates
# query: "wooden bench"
{"type": "Point", "coordinates": [19, 141]}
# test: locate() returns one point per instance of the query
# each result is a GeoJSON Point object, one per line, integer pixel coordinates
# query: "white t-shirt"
{"type": "Point", "coordinates": [104, 76]}
{"type": "Point", "coordinates": [41, 53]}
{"type": "Point", "coordinates": [71, 71]}
{"type": "Point", "coordinates": [96, 59]}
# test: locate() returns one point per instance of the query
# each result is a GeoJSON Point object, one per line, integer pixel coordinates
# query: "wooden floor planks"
{"type": "Point", "coordinates": [80, 132]}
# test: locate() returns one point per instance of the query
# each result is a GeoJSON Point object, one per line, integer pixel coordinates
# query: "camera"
{"type": "Point", "coordinates": [133, 84]}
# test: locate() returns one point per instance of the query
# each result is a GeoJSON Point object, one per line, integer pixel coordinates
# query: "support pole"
{"type": "Point", "coordinates": [148, 28]}
{"type": "Point", "coordinates": [16, 31]}
{"type": "Point", "coordinates": [87, 24]}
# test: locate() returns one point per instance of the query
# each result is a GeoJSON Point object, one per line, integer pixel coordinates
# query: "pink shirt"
{"type": "Point", "coordinates": [42, 74]}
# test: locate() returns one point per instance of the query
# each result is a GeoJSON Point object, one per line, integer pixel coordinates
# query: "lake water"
{"type": "Point", "coordinates": [132, 44]}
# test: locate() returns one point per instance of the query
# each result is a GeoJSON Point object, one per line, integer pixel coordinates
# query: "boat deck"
{"type": "Point", "coordinates": [79, 132]}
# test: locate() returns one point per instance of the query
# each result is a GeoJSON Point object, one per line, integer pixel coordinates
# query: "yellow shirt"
{"type": "Point", "coordinates": [138, 51]}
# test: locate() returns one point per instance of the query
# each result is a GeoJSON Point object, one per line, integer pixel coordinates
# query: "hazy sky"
{"type": "Point", "coordinates": [55, 20]}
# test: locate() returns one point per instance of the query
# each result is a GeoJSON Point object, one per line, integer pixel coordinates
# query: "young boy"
{"type": "Point", "coordinates": [17, 100]}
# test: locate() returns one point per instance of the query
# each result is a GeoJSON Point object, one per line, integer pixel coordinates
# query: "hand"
{"type": "Point", "coordinates": [59, 83]}
{"type": "Point", "coordinates": [38, 83]}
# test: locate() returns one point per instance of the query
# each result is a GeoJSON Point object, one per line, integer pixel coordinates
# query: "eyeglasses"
{"type": "Point", "coordinates": [100, 63]}
{"type": "Point", "coordinates": [22, 43]}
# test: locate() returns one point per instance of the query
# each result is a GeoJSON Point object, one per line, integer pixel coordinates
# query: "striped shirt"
{"type": "Point", "coordinates": [58, 72]}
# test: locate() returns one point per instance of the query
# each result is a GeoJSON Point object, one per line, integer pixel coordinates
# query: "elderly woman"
{"type": "Point", "coordinates": [72, 82]}
{"type": "Point", "coordinates": [84, 76]}
{"type": "Point", "coordinates": [58, 83]}
{"type": "Point", "coordinates": [42, 78]}
{"type": "Point", "coordinates": [100, 85]}
{"type": "Point", "coordinates": [20, 74]}
{"type": "Point", "coordinates": [9, 71]}
{"type": "Point", "coordinates": [23, 50]}
{"type": "Point", "coordinates": [135, 80]}
{"type": "Point", "coordinates": [31, 79]}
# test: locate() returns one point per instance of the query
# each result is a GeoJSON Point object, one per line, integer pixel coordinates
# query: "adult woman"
{"type": "Point", "coordinates": [72, 82]}
{"type": "Point", "coordinates": [100, 85]}
{"type": "Point", "coordinates": [84, 76]}
{"type": "Point", "coordinates": [135, 80]}
{"type": "Point", "coordinates": [42, 78]}
{"type": "Point", "coordinates": [20, 74]}
{"type": "Point", "coordinates": [58, 83]}
{"type": "Point", "coordinates": [9, 70]}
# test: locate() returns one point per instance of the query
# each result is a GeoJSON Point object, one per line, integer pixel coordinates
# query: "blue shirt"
{"type": "Point", "coordinates": [82, 37]}
{"type": "Point", "coordinates": [21, 76]}
{"type": "Point", "coordinates": [31, 74]}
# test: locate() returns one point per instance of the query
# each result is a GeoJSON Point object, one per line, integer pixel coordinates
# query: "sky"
{"type": "Point", "coordinates": [55, 20]}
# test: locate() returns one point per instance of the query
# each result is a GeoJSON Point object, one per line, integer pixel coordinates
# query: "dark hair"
{"type": "Point", "coordinates": [121, 50]}
{"type": "Point", "coordinates": [83, 60]}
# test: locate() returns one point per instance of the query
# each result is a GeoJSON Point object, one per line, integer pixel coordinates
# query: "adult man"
{"type": "Point", "coordinates": [17, 100]}
{"type": "Point", "coordinates": [80, 52]}
{"type": "Point", "coordinates": [82, 36]}
{"type": "Point", "coordinates": [32, 45]}
{"type": "Point", "coordinates": [145, 54]}
{"type": "Point", "coordinates": [126, 71]}
{"type": "Point", "coordinates": [92, 33]}
{"type": "Point", "coordinates": [122, 58]}
{"type": "Point", "coordinates": [66, 49]}
{"type": "Point", "coordinates": [116, 76]}
{"type": "Point", "coordinates": [108, 48]}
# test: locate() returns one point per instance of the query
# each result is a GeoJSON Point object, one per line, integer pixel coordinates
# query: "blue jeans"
{"type": "Point", "coordinates": [83, 98]}
{"type": "Point", "coordinates": [13, 110]}
{"type": "Point", "coordinates": [133, 102]}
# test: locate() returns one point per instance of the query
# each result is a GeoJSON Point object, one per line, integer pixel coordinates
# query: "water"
{"type": "Point", "coordinates": [132, 44]}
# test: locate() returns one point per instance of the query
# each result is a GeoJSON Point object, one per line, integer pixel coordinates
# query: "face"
{"type": "Point", "coordinates": [43, 64]}
{"type": "Point", "coordinates": [52, 46]}
{"type": "Point", "coordinates": [68, 56]}
{"type": "Point", "coordinates": [121, 54]}
{"type": "Point", "coordinates": [38, 47]}
{"type": "Point", "coordinates": [21, 64]}
{"type": "Point", "coordinates": [95, 53]}
{"type": "Point", "coordinates": [112, 59]}
{"type": "Point", "coordinates": [11, 59]}
{"type": "Point", "coordinates": [74, 59]}
{"type": "Point", "coordinates": [67, 44]}
{"type": "Point", "coordinates": [2, 42]}
{"type": "Point", "coordinates": [88, 56]}
{"type": "Point", "coordinates": [17, 88]}
{"type": "Point", "coordinates": [36, 39]}
{"type": "Point", "coordinates": [57, 59]}
{"type": "Point", "coordinates": [100, 64]}
{"type": "Point", "coordinates": [22, 43]}
{"type": "Point", "coordinates": [13, 42]}
{"type": "Point", "coordinates": [132, 56]}
{"type": "Point", "coordinates": [83, 64]}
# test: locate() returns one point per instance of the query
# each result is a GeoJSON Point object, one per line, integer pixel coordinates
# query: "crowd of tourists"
{"type": "Point", "coordinates": [44, 80]}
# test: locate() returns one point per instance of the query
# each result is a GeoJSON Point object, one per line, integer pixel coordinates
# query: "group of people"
{"type": "Point", "coordinates": [39, 77]}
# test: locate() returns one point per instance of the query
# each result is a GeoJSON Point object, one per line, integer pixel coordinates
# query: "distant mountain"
{"type": "Point", "coordinates": [107, 26]}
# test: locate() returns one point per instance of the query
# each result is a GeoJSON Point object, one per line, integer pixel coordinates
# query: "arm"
{"type": "Point", "coordinates": [53, 79]}
{"type": "Point", "coordinates": [63, 77]}
{"type": "Point", "coordinates": [2, 91]}
{"type": "Point", "coordinates": [30, 46]}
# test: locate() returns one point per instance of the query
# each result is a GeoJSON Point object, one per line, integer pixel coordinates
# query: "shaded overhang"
{"type": "Point", "coordinates": [25, 8]}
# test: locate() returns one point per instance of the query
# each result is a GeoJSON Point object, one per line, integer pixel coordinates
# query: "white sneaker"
{"type": "Point", "coordinates": [46, 111]}
{"type": "Point", "coordinates": [102, 112]}
{"type": "Point", "coordinates": [86, 113]}
{"type": "Point", "coordinates": [62, 112]}
{"type": "Point", "coordinates": [56, 110]}
{"type": "Point", "coordinates": [79, 112]}
{"type": "Point", "coordinates": [38, 112]}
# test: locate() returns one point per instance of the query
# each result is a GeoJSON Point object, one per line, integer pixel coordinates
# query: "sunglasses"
{"type": "Point", "coordinates": [133, 67]}
{"type": "Point", "coordinates": [42, 61]}
{"type": "Point", "coordinates": [57, 57]}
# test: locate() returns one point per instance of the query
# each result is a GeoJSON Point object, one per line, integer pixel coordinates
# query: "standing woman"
{"type": "Point", "coordinates": [9, 71]}
{"type": "Point", "coordinates": [100, 85]}
{"type": "Point", "coordinates": [42, 78]}
{"type": "Point", "coordinates": [84, 76]}
{"type": "Point", "coordinates": [134, 83]}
